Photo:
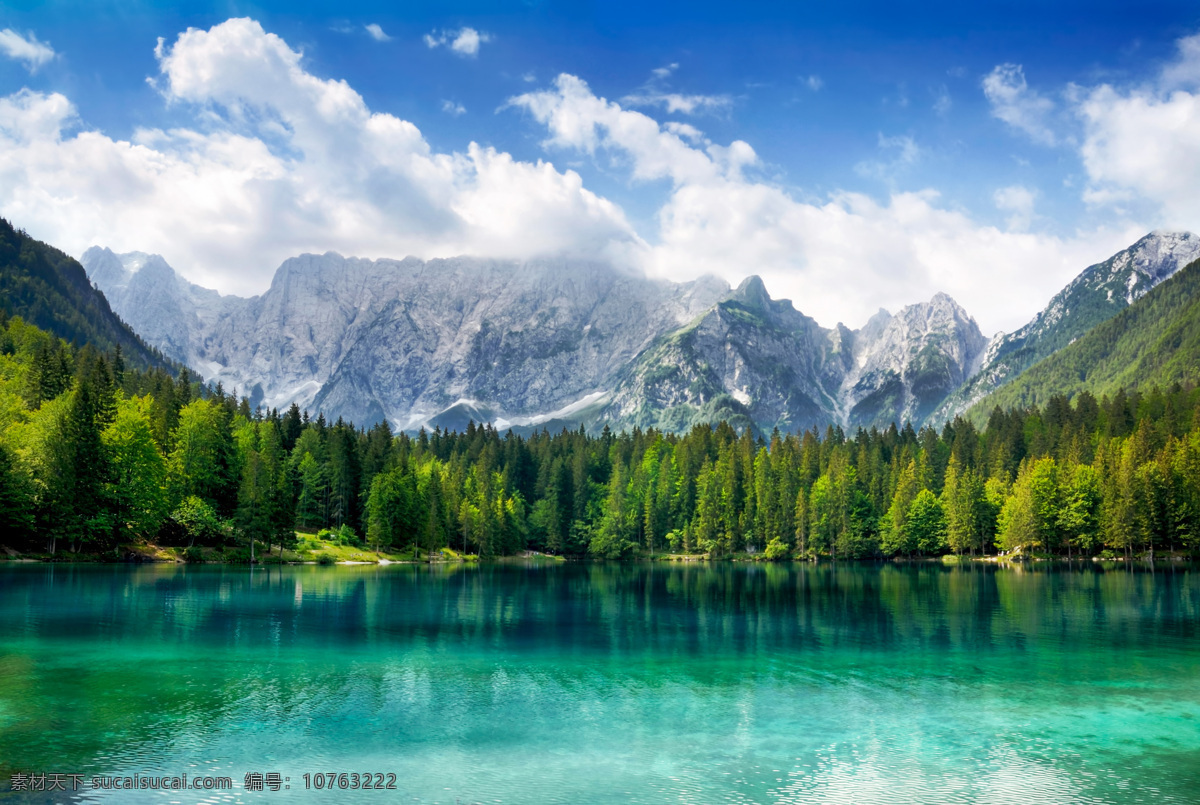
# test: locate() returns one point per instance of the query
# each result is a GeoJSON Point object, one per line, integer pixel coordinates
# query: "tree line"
{"type": "Point", "coordinates": [95, 455]}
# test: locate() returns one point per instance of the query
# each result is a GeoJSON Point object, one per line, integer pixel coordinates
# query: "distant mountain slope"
{"type": "Point", "coordinates": [167, 311]}
{"type": "Point", "coordinates": [905, 365]}
{"type": "Point", "coordinates": [748, 359]}
{"type": "Point", "coordinates": [49, 289]}
{"type": "Point", "coordinates": [751, 359]}
{"type": "Point", "coordinates": [1153, 342]}
{"type": "Point", "coordinates": [1096, 295]}
{"type": "Point", "coordinates": [530, 343]}
{"type": "Point", "coordinates": [508, 342]}
{"type": "Point", "coordinates": [409, 340]}
{"type": "Point", "coordinates": [539, 343]}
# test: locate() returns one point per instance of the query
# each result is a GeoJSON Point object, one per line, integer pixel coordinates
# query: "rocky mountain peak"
{"type": "Point", "coordinates": [1157, 256]}
{"type": "Point", "coordinates": [752, 293]}
{"type": "Point", "coordinates": [1098, 293]}
{"type": "Point", "coordinates": [105, 269]}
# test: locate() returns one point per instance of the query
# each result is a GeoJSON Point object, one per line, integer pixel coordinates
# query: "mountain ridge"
{"type": "Point", "coordinates": [1098, 293]}
{"type": "Point", "coordinates": [52, 291]}
{"type": "Point", "coordinates": [522, 343]}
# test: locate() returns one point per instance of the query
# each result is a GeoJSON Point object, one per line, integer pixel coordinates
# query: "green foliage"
{"type": "Point", "coordinates": [50, 290]}
{"type": "Point", "coordinates": [137, 471]}
{"type": "Point", "coordinates": [927, 523]}
{"type": "Point", "coordinates": [1153, 343]}
{"type": "Point", "coordinates": [119, 455]}
{"type": "Point", "coordinates": [198, 522]}
{"type": "Point", "coordinates": [776, 550]}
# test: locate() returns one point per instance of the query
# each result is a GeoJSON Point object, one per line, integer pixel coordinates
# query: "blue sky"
{"type": "Point", "coordinates": [856, 156]}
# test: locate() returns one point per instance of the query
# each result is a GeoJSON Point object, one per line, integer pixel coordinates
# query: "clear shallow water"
{"type": "Point", "coordinates": [606, 683]}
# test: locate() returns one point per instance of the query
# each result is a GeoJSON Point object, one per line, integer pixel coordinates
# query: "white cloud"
{"type": "Point", "coordinates": [675, 102]}
{"type": "Point", "coordinates": [579, 120]}
{"type": "Point", "coordinates": [655, 93]}
{"type": "Point", "coordinates": [453, 108]}
{"type": "Point", "coordinates": [902, 151]}
{"type": "Point", "coordinates": [1184, 72]}
{"type": "Point", "coordinates": [942, 103]}
{"type": "Point", "coordinates": [814, 82]}
{"type": "Point", "coordinates": [1016, 104]}
{"type": "Point", "coordinates": [1143, 142]}
{"type": "Point", "coordinates": [29, 50]}
{"type": "Point", "coordinates": [1017, 200]}
{"type": "Point", "coordinates": [376, 33]}
{"type": "Point", "coordinates": [837, 259]}
{"type": "Point", "coordinates": [465, 41]}
{"type": "Point", "coordinates": [280, 162]}
{"type": "Point", "coordinates": [685, 131]}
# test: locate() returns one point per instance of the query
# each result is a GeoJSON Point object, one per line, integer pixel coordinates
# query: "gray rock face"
{"type": "Point", "coordinates": [406, 340]}
{"type": "Point", "coordinates": [167, 311]}
{"type": "Point", "coordinates": [906, 365]}
{"type": "Point", "coordinates": [520, 342]}
{"type": "Point", "coordinates": [1100, 292]}
{"type": "Point", "coordinates": [567, 341]}
{"type": "Point", "coordinates": [753, 360]}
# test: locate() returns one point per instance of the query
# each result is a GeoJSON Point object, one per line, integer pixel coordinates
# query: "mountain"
{"type": "Point", "coordinates": [514, 342]}
{"type": "Point", "coordinates": [1155, 341]}
{"type": "Point", "coordinates": [168, 310]}
{"type": "Point", "coordinates": [49, 289]}
{"type": "Point", "coordinates": [747, 359]}
{"type": "Point", "coordinates": [1100, 292]}
{"type": "Point", "coordinates": [905, 365]}
{"type": "Point", "coordinates": [540, 343]}
{"type": "Point", "coordinates": [409, 340]}
{"type": "Point", "coordinates": [552, 342]}
{"type": "Point", "coordinates": [750, 359]}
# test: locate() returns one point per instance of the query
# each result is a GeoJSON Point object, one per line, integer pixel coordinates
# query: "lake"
{"type": "Point", "coordinates": [594, 683]}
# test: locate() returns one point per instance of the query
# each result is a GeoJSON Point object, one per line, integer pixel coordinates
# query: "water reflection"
{"type": "Point", "coordinates": [737, 683]}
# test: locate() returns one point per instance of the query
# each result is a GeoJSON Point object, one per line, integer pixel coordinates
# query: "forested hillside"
{"type": "Point", "coordinates": [51, 290]}
{"type": "Point", "coordinates": [1154, 342]}
{"type": "Point", "coordinates": [95, 455]}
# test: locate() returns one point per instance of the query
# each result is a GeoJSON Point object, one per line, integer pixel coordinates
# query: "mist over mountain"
{"type": "Point", "coordinates": [553, 342]}
{"type": "Point", "coordinates": [50, 289]}
{"type": "Point", "coordinates": [1100, 292]}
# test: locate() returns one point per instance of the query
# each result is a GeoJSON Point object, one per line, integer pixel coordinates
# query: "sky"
{"type": "Point", "coordinates": [856, 157]}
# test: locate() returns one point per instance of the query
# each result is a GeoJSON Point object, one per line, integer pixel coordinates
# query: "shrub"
{"type": "Point", "coordinates": [347, 536]}
{"type": "Point", "coordinates": [776, 550]}
{"type": "Point", "coordinates": [326, 559]}
{"type": "Point", "coordinates": [193, 555]}
{"type": "Point", "coordinates": [198, 520]}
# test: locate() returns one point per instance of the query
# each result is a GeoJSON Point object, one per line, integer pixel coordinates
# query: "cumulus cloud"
{"type": "Point", "coordinates": [838, 259]}
{"type": "Point", "coordinates": [464, 41]}
{"type": "Point", "coordinates": [1018, 201]}
{"type": "Point", "coordinates": [26, 49]}
{"type": "Point", "coordinates": [280, 161]}
{"type": "Point", "coordinates": [453, 108]}
{"type": "Point", "coordinates": [1184, 71]}
{"type": "Point", "coordinates": [1143, 142]}
{"type": "Point", "coordinates": [1016, 104]}
{"type": "Point", "coordinates": [376, 32]}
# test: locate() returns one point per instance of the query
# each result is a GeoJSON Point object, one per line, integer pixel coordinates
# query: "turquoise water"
{"type": "Point", "coordinates": [605, 683]}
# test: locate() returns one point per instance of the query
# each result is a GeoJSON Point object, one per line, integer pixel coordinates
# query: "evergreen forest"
{"type": "Point", "coordinates": [96, 455]}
